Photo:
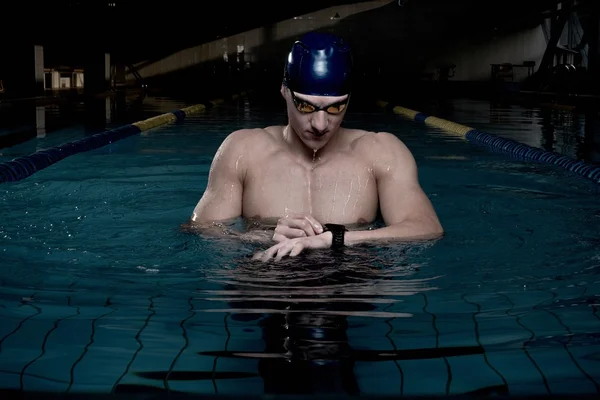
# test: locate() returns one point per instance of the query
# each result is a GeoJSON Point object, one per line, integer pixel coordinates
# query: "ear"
{"type": "Point", "coordinates": [282, 90]}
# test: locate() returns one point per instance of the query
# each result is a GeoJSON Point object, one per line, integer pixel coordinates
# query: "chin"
{"type": "Point", "coordinates": [316, 143]}
{"type": "Point", "coordinates": [317, 139]}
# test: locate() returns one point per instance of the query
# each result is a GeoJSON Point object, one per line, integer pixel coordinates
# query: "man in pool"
{"type": "Point", "coordinates": [319, 180]}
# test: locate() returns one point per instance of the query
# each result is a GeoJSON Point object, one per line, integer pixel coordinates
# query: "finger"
{"type": "Point", "coordinates": [288, 232]}
{"type": "Point", "coordinates": [283, 251]}
{"type": "Point", "coordinates": [270, 252]}
{"type": "Point", "coordinates": [264, 256]}
{"type": "Point", "coordinates": [302, 224]}
{"type": "Point", "coordinates": [277, 237]}
{"type": "Point", "coordinates": [316, 225]}
{"type": "Point", "coordinates": [297, 249]}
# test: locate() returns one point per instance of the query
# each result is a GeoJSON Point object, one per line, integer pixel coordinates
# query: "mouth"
{"type": "Point", "coordinates": [318, 134]}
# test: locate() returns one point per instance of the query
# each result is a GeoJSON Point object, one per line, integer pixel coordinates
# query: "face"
{"type": "Point", "coordinates": [315, 118]}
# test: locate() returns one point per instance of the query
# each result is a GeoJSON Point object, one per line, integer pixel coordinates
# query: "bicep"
{"type": "Point", "coordinates": [401, 196]}
{"type": "Point", "coordinates": [222, 198]}
{"type": "Point", "coordinates": [401, 200]}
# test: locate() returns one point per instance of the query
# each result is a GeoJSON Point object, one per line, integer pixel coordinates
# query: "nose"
{"type": "Point", "coordinates": [319, 121]}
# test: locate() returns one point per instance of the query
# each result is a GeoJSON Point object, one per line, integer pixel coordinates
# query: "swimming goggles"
{"type": "Point", "coordinates": [306, 107]}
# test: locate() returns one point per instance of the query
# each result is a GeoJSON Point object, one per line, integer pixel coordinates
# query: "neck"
{"type": "Point", "coordinates": [305, 152]}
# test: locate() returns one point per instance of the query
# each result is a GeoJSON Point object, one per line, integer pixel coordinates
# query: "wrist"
{"type": "Point", "coordinates": [338, 233]}
{"type": "Point", "coordinates": [351, 238]}
{"type": "Point", "coordinates": [328, 238]}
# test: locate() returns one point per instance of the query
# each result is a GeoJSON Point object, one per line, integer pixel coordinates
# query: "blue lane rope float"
{"type": "Point", "coordinates": [23, 167]}
{"type": "Point", "coordinates": [499, 144]}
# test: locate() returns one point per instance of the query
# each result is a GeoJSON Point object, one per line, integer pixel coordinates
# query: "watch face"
{"type": "Point", "coordinates": [335, 227]}
{"type": "Point", "coordinates": [337, 232]}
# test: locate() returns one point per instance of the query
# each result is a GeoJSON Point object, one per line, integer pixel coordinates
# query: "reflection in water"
{"type": "Point", "coordinates": [40, 121]}
{"type": "Point", "coordinates": [591, 152]}
{"type": "Point", "coordinates": [548, 130]}
{"type": "Point", "coordinates": [66, 119]}
{"type": "Point", "coordinates": [302, 307]}
{"type": "Point", "coordinates": [570, 133]}
{"type": "Point", "coordinates": [574, 131]}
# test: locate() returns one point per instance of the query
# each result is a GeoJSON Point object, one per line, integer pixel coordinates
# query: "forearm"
{"type": "Point", "coordinates": [221, 230]}
{"type": "Point", "coordinates": [407, 230]}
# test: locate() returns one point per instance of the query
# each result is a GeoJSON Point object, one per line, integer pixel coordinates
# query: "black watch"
{"type": "Point", "coordinates": [338, 232]}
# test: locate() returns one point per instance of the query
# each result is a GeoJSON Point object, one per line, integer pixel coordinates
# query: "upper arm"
{"type": "Point", "coordinates": [401, 197]}
{"type": "Point", "coordinates": [222, 198]}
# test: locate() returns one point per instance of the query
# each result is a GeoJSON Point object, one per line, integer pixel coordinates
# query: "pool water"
{"type": "Point", "coordinates": [100, 291]}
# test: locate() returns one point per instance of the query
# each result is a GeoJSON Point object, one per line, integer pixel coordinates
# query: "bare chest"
{"type": "Point", "coordinates": [342, 190]}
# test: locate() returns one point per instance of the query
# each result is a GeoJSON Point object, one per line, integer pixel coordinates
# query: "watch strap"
{"type": "Point", "coordinates": [338, 232]}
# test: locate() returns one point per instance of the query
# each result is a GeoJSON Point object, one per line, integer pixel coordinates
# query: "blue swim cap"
{"type": "Point", "coordinates": [319, 64]}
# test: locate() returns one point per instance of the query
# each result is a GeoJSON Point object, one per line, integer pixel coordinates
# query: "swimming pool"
{"type": "Point", "coordinates": [54, 121]}
{"type": "Point", "coordinates": [101, 292]}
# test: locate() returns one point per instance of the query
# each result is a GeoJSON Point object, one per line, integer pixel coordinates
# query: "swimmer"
{"type": "Point", "coordinates": [317, 179]}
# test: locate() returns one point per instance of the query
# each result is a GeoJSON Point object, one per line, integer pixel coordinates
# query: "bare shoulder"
{"type": "Point", "coordinates": [384, 146]}
{"type": "Point", "coordinates": [245, 141]}
{"type": "Point", "coordinates": [243, 137]}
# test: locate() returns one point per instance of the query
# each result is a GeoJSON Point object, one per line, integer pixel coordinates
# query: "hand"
{"type": "Point", "coordinates": [293, 247]}
{"type": "Point", "coordinates": [296, 226]}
